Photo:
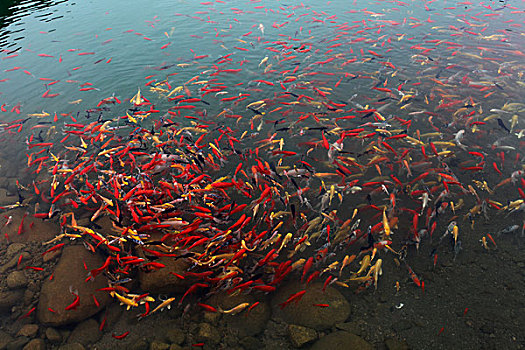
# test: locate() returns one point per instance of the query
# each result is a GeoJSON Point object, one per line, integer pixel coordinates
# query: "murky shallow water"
{"type": "Point", "coordinates": [282, 175]}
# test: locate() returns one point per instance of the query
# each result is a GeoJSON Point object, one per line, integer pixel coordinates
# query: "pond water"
{"type": "Point", "coordinates": [262, 174]}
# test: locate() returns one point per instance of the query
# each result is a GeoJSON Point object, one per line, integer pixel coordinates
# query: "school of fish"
{"type": "Point", "coordinates": [321, 160]}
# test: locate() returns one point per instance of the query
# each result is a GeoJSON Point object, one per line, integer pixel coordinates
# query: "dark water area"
{"type": "Point", "coordinates": [262, 175]}
{"type": "Point", "coordinates": [12, 14]}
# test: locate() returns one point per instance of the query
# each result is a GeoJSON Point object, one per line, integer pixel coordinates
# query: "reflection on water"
{"type": "Point", "coordinates": [12, 14]}
{"type": "Point", "coordinates": [328, 175]}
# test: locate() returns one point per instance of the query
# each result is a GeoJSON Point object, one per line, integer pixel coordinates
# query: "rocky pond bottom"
{"type": "Point", "coordinates": [38, 287]}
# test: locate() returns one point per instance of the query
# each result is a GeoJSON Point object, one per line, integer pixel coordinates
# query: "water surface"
{"type": "Point", "coordinates": [339, 130]}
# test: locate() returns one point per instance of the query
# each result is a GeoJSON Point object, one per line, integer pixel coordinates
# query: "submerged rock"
{"type": "Point", "coordinates": [16, 280]}
{"type": "Point", "coordinates": [342, 340]}
{"type": "Point", "coordinates": [157, 345]}
{"type": "Point", "coordinates": [5, 338]}
{"type": "Point", "coordinates": [14, 248]}
{"type": "Point", "coordinates": [28, 330]}
{"type": "Point", "coordinates": [140, 344]}
{"type": "Point", "coordinates": [35, 344]}
{"type": "Point", "coordinates": [8, 299]}
{"type": "Point", "coordinates": [70, 272]}
{"type": "Point", "coordinates": [53, 335]}
{"type": "Point", "coordinates": [33, 229]}
{"type": "Point", "coordinates": [13, 262]}
{"type": "Point", "coordinates": [300, 336]}
{"type": "Point", "coordinates": [17, 343]}
{"type": "Point", "coordinates": [6, 198]}
{"type": "Point", "coordinates": [356, 327]}
{"type": "Point", "coordinates": [73, 346]}
{"type": "Point", "coordinates": [396, 344]}
{"type": "Point", "coordinates": [311, 310]}
{"type": "Point", "coordinates": [250, 343]}
{"type": "Point", "coordinates": [162, 281]}
{"type": "Point", "coordinates": [245, 323]}
{"type": "Point", "coordinates": [208, 334]}
{"type": "Point", "coordinates": [86, 332]}
{"type": "Point", "coordinates": [175, 336]}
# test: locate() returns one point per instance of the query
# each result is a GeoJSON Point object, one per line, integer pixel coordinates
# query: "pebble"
{"type": "Point", "coordinates": [140, 344]}
{"type": "Point", "coordinates": [35, 344]}
{"type": "Point", "coordinates": [300, 336]}
{"type": "Point", "coordinates": [157, 345]}
{"type": "Point", "coordinates": [396, 344]}
{"type": "Point", "coordinates": [28, 330]}
{"type": "Point", "coordinates": [341, 340]}
{"type": "Point", "coordinates": [28, 296]}
{"type": "Point", "coordinates": [51, 255]}
{"type": "Point", "coordinates": [5, 197]}
{"type": "Point", "coordinates": [8, 299]}
{"type": "Point", "coordinates": [5, 338]}
{"type": "Point", "coordinates": [14, 248]}
{"type": "Point", "coordinates": [17, 343]}
{"type": "Point", "coordinates": [53, 335]}
{"type": "Point", "coordinates": [208, 334]}
{"type": "Point", "coordinates": [13, 262]}
{"type": "Point", "coordinates": [212, 317]}
{"type": "Point", "coordinates": [354, 327]}
{"type": "Point", "coordinates": [16, 279]}
{"type": "Point", "coordinates": [175, 336]}
{"type": "Point", "coordinates": [402, 325]}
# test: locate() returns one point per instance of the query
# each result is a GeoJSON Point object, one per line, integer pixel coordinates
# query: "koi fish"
{"type": "Point", "coordinates": [235, 310]}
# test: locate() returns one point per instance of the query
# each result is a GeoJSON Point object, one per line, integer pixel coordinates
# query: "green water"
{"type": "Point", "coordinates": [393, 79]}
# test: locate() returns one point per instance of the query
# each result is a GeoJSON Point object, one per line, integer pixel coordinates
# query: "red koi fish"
{"type": "Point", "coordinates": [74, 304]}
{"type": "Point", "coordinates": [122, 336]}
{"type": "Point", "coordinates": [294, 297]}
